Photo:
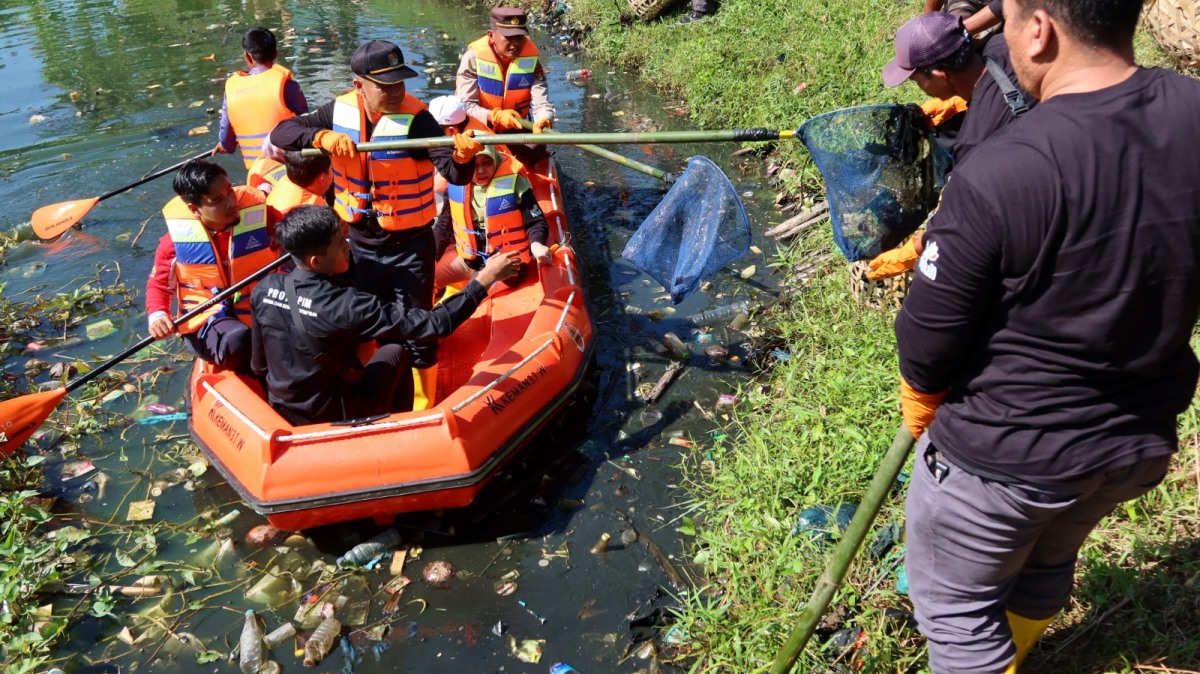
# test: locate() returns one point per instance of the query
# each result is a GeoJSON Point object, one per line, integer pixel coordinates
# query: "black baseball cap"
{"type": "Point", "coordinates": [510, 21]}
{"type": "Point", "coordinates": [381, 62]}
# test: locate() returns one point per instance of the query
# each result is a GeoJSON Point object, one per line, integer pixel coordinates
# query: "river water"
{"type": "Point", "coordinates": [101, 93]}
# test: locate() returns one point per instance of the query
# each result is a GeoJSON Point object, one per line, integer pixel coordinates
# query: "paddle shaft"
{"type": "Point", "coordinates": [620, 159]}
{"type": "Point", "coordinates": [204, 306]}
{"type": "Point", "coordinates": [152, 176]}
{"type": "Point", "coordinates": [844, 554]}
{"type": "Point", "coordinates": [727, 135]}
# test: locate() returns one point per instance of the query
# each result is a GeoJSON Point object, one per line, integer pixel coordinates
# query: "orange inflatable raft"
{"type": "Point", "coordinates": [502, 375]}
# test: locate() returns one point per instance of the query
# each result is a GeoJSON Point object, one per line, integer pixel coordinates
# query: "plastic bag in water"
{"type": "Point", "coordinates": [883, 173]}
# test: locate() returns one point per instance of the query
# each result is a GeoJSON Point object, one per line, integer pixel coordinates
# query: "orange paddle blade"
{"type": "Point", "coordinates": [51, 221]}
{"type": "Point", "coordinates": [20, 417]}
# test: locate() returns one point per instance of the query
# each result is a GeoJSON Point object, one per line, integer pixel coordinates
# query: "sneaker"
{"type": "Point", "coordinates": [692, 17]}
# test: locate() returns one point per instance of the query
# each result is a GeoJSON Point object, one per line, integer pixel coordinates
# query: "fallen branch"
{"type": "Point", "coordinates": [800, 222]}
{"type": "Point", "coordinates": [665, 380]}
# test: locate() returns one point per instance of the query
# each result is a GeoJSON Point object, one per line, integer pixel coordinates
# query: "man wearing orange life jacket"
{"type": "Point", "coordinates": [306, 182]}
{"type": "Point", "coordinates": [496, 213]}
{"type": "Point", "coordinates": [264, 174]}
{"type": "Point", "coordinates": [257, 99]}
{"type": "Point", "coordinates": [501, 81]}
{"type": "Point", "coordinates": [217, 235]}
{"type": "Point", "coordinates": [386, 196]}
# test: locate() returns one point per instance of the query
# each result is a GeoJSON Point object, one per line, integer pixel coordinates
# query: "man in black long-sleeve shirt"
{"type": "Point", "coordinates": [1047, 328]}
{"type": "Point", "coordinates": [386, 196]}
{"type": "Point", "coordinates": [307, 328]}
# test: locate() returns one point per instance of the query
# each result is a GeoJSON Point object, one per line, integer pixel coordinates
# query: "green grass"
{"type": "Point", "coordinates": [813, 431]}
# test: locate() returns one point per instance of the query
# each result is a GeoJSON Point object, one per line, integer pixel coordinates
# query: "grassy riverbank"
{"type": "Point", "coordinates": [814, 432]}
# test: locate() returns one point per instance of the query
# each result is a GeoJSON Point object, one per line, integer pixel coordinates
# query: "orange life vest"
{"type": "Point", "coordinates": [199, 268]}
{"type": "Point", "coordinates": [503, 222]}
{"type": "Point", "coordinates": [264, 174]}
{"type": "Point", "coordinates": [255, 105]}
{"type": "Point", "coordinates": [390, 184]}
{"type": "Point", "coordinates": [501, 86]}
{"type": "Point", "coordinates": [288, 195]}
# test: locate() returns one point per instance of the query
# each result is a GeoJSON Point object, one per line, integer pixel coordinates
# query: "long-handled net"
{"type": "Point", "coordinates": [699, 227]}
{"type": "Point", "coordinates": [883, 173]}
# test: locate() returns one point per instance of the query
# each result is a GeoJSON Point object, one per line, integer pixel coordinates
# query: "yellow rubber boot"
{"type": "Point", "coordinates": [1025, 633]}
{"type": "Point", "coordinates": [424, 387]}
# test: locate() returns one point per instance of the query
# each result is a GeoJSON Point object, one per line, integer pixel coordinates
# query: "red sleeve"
{"type": "Point", "coordinates": [158, 286]}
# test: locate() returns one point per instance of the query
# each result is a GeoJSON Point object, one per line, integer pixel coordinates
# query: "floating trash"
{"type": "Point", "coordinates": [749, 272]}
{"type": "Point", "coordinates": [320, 641]}
{"type": "Point", "coordinates": [505, 588]}
{"type": "Point", "coordinates": [250, 645]}
{"type": "Point", "coordinates": [629, 537]}
{"type": "Point", "coordinates": [163, 418]}
{"type": "Point", "coordinates": [365, 552]}
{"type": "Point", "coordinates": [601, 545]}
{"type": "Point", "coordinates": [140, 511]}
{"type": "Point", "coordinates": [650, 416]}
{"type": "Point", "coordinates": [279, 635]}
{"type": "Point", "coordinates": [438, 573]}
{"type": "Point", "coordinates": [726, 402]}
{"type": "Point", "coordinates": [562, 668]}
{"type": "Point", "coordinates": [528, 650]}
{"type": "Point", "coordinates": [159, 408]}
{"type": "Point", "coordinates": [76, 469]}
{"type": "Point", "coordinates": [716, 352]}
{"type": "Point", "coordinates": [676, 346]}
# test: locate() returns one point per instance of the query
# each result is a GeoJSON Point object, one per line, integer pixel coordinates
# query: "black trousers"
{"type": "Point", "coordinates": [402, 270]}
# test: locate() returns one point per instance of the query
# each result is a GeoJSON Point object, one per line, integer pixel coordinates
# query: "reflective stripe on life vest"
{"type": "Point", "coordinates": [503, 223]}
{"type": "Point", "coordinates": [255, 105]}
{"type": "Point", "coordinates": [199, 270]}
{"type": "Point", "coordinates": [501, 87]}
{"type": "Point", "coordinates": [264, 174]}
{"type": "Point", "coordinates": [390, 184]}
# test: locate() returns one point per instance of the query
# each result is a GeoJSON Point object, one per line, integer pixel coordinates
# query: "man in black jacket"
{"type": "Point", "coordinates": [307, 328]}
{"type": "Point", "coordinates": [1047, 329]}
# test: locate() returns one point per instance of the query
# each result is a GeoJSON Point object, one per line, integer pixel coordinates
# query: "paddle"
{"type": "Point", "coordinates": [620, 159]}
{"type": "Point", "coordinates": [727, 135]}
{"type": "Point", "coordinates": [20, 417]}
{"type": "Point", "coordinates": [843, 555]}
{"type": "Point", "coordinates": [51, 221]}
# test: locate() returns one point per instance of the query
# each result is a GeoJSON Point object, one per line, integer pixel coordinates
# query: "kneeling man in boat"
{"type": "Point", "coordinates": [496, 212]}
{"type": "Point", "coordinates": [308, 327]}
{"type": "Point", "coordinates": [217, 235]}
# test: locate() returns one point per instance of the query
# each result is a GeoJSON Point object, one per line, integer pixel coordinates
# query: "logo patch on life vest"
{"type": "Point", "coordinates": [507, 203]}
{"type": "Point", "coordinates": [927, 264]}
{"type": "Point", "coordinates": [253, 242]}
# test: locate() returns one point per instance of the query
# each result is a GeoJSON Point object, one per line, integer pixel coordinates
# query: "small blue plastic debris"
{"type": "Point", "coordinates": [818, 521]}
{"type": "Point", "coordinates": [163, 418]}
{"type": "Point", "coordinates": [378, 649]}
{"type": "Point", "coordinates": [781, 355]}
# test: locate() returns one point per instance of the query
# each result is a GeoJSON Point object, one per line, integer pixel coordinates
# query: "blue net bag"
{"type": "Point", "coordinates": [883, 173]}
{"type": "Point", "coordinates": [699, 227]}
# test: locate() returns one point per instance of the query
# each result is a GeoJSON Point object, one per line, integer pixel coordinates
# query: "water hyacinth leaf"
{"type": "Point", "coordinates": [140, 511]}
{"type": "Point", "coordinates": [34, 460]}
{"type": "Point", "coordinates": [124, 559]}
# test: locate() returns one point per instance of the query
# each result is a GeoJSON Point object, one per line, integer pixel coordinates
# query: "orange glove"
{"type": "Point", "coordinates": [939, 110]}
{"type": "Point", "coordinates": [466, 147]}
{"type": "Point", "coordinates": [542, 124]}
{"type": "Point", "coordinates": [918, 408]}
{"type": "Point", "coordinates": [895, 261]}
{"type": "Point", "coordinates": [336, 144]}
{"type": "Point", "coordinates": [502, 119]}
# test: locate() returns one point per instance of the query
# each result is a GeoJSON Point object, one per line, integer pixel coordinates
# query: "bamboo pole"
{"type": "Point", "coordinates": [843, 555]}
{"type": "Point", "coordinates": [631, 138]}
{"type": "Point", "coordinates": [620, 159]}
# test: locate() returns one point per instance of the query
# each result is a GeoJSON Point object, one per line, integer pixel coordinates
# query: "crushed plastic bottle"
{"type": "Point", "coordinates": [320, 641]}
{"type": "Point", "coordinates": [365, 552]}
{"type": "Point", "coordinates": [718, 314]}
{"type": "Point", "coordinates": [270, 667]}
{"type": "Point", "coordinates": [578, 76]}
{"type": "Point", "coordinates": [279, 635]}
{"type": "Point", "coordinates": [250, 645]}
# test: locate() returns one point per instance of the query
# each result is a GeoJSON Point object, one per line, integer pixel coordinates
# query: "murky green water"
{"type": "Point", "coordinates": [116, 88]}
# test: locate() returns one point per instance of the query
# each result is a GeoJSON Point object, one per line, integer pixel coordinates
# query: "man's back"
{"type": "Point", "coordinates": [1060, 285]}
